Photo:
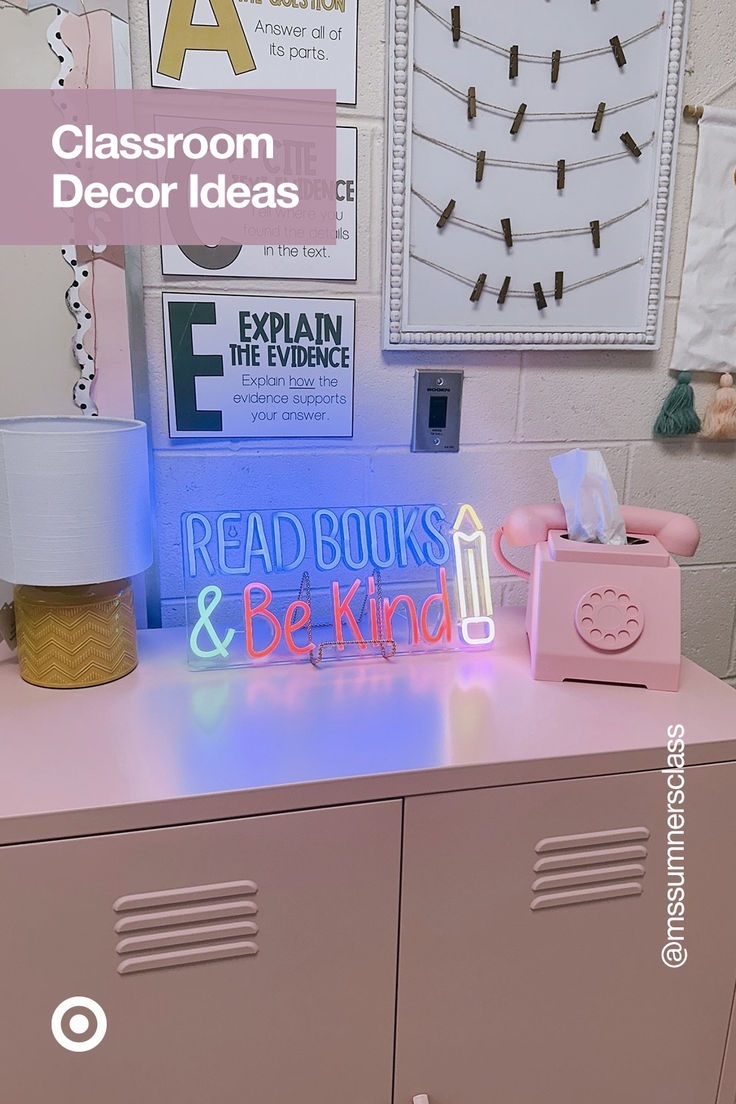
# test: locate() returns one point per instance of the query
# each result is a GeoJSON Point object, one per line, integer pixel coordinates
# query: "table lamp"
{"type": "Point", "coordinates": [74, 526]}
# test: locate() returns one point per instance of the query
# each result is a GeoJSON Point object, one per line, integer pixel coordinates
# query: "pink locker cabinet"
{"type": "Point", "coordinates": [533, 918]}
{"type": "Point", "coordinates": [245, 961]}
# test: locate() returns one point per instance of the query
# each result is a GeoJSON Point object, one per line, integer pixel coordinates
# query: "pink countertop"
{"type": "Point", "coordinates": [169, 746]}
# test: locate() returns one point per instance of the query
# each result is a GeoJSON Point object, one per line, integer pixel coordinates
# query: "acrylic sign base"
{"type": "Point", "coordinates": [305, 586]}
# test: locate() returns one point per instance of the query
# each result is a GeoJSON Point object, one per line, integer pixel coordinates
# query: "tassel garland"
{"type": "Point", "coordinates": [677, 416]}
{"type": "Point", "coordinates": [719, 420]}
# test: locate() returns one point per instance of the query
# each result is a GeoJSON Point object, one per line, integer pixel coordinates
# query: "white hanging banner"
{"type": "Point", "coordinates": [706, 326]}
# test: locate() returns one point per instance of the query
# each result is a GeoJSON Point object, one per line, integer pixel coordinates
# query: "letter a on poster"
{"type": "Point", "coordinates": [245, 44]}
{"type": "Point", "coordinates": [256, 366]}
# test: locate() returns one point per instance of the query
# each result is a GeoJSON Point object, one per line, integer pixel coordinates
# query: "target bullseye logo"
{"type": "Point", "coordinates": [78, 1024]}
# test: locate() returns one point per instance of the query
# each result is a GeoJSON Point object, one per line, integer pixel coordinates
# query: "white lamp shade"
{"type": "Point", "coordinates": [74, 500]}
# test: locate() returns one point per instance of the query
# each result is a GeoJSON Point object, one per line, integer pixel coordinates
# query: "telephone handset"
{"type": "Point", "coordinates": [528, 525]}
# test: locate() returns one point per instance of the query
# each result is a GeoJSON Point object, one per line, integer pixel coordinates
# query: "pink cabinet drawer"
{"type": "Point", "coordinates": [240, 960]}
{"type": "Point", "coordinates": [533, 920]}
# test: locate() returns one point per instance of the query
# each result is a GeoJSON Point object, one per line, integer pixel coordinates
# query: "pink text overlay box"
{"type": "Point", "coordinates": [250, 167]}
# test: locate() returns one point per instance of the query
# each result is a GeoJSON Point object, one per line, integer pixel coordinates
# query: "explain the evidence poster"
{"type": "Point", "coordinates": [259, 366]}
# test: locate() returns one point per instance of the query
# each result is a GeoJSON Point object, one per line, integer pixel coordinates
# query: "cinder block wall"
{"type": "Point", "coordinates": [518, 408]}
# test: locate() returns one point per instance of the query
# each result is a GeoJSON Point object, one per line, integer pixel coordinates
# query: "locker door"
{"type": "Point", "coordinates": [533, 919]}
{"type": "Point", "coordinates": [238, 962]}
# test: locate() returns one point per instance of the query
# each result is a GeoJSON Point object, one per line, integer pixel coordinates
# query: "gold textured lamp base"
{"type": "Point", "coordinates": [75, 636]}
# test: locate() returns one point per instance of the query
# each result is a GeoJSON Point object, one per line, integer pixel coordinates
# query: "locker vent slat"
{"type": "Point", "coordinates": [188, 957]}
{"type": "Point", "coordinates": [591, 839]}
{"type": "Point", "coordinates": [591, 875]}
{"type": "Point", "coordinates": [572, 859]}
{"type": "Point", "coordinates": [176, 917]}
{"type": "Point", "coordinates": [177, 896]}
{"type": "Point", "coordinates": [582, 896]}
{"type": "Point", "coordinates": [179, 936]}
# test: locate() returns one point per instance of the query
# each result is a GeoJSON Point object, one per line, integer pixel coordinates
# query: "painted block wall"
{"type": "Point", "coordinates": [518, 408]}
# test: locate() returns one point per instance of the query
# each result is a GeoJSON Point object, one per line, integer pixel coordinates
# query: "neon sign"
{"type": "Point", "coordinates": [310, 585]}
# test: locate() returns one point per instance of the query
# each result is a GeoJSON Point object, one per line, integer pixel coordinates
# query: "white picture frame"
{"type": "Point", "coordinates": [611, 295]}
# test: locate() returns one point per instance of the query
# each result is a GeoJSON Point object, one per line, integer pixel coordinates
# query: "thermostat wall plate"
{"type": "Point", "coordinates": [437, 400]}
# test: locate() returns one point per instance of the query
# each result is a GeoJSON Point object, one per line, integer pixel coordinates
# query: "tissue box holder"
{"type": "Point", "coordinates": [605, 613]}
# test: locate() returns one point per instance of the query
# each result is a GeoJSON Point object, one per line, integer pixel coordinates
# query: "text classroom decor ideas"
{"type": "Point", "coordinates": [531, 169]}
{"type": "Point", "coordinates": [264, 586]}
{"type": "Point", "coordinates": [259, 366]}
{"type": "Point", "coordinates": [255, 44]}
{"type": "Point", "coordinates": [337, 261]}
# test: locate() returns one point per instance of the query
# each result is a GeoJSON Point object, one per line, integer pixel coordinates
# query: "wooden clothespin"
{"type": "Point", "coordinates": [539, 296]}
{"type": "Point", "coordinates": [508, 237]}
{"type": "Point", "coordinates": [480, 164]}
{"type": "Point", "coordinates": [504, 291]}
{"type": "Point", "coordinates": [478, 289]}
{"type": "Point", "coordinates": [598, 121]}
{"type": "Point", "coordinates": [630, 144]}
{"type": "Point", "coordinates": [513, 62]}
{"type": "Point", "coordinates": [471, 102]}
{"type": "Point", "coordinates": [446, 214]}
{"type": "Point", "coordinates": [561, 174]}
{"type": "Point", "coordinates": [595, 229]}
{"type": "Point", "coordinates": [455, 17]}
{"type": "Point", "coordinates": [618, 51]}
{"type": "Point", "coordinates": [518, 119]}
{"type": "Point", "coordinates": [559, 281]}
{"type": "Point", "coordinates": [556, 58]}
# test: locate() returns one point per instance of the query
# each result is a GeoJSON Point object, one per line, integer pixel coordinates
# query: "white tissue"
{"type": "Point", "coordinates": [589, 497]}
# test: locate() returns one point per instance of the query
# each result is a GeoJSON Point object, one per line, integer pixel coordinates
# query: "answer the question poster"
{"type": "Point", "coordinates": [255, 44]}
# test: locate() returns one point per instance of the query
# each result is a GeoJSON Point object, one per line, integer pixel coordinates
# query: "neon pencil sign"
{"type": "Point", "coordinates": [310, 585]}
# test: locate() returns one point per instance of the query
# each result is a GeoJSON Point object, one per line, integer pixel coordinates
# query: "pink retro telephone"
{"type": "Point", "coordinates": [603, 612]}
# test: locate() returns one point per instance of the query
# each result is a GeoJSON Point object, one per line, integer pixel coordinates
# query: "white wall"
{"type": "Point", "coordinates": [518, 408]}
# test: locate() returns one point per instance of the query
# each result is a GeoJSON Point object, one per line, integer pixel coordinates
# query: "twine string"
{"type": "Point", "coordinates": [540, 59]}
{"type": "Point", "coordinates": [530, 116]}
{"type": "Point", "coordinates": [529, 235]}
{"type": "Point", "coordinates": [533, 166]}
{"type": "Point", "coordinates": [470, 282]}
